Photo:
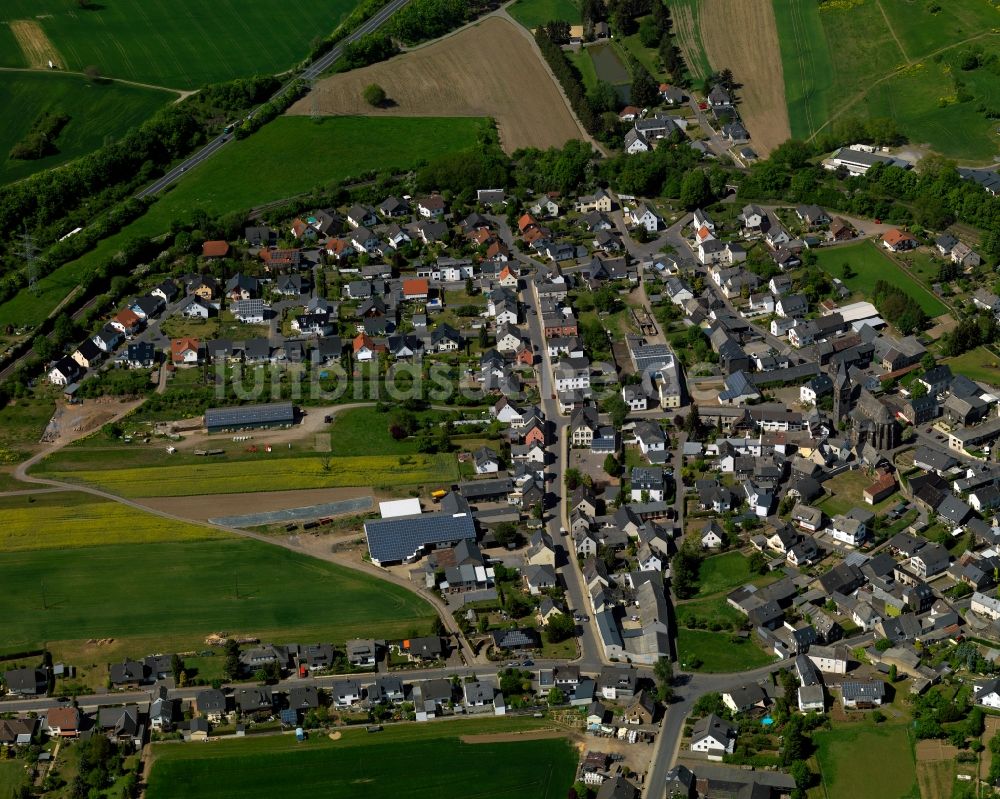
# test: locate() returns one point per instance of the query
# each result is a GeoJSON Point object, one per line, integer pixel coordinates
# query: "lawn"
{"type": "Point", "coordinates": [870, 265]}
{"type": "Point", "coordinates": [289, 156]}
{"type": "Point", "coordinates": [864, 761]}
{"type": "Point", "coordinates": [71, 520]}
{"type": "Point", "coordinates": [582, 61]}
{"type": "Point", "coordinates": [362, 431]}
{"type": "Point", "coordinates": [12, 776]}
{"type": "Point", "coordinates": [845, 491]}
{"type": "Point", "coordinates": [270, 474]}
{"type": "Point", "coordinates": [98, 112]}
{"type": "Point", "coordinates": [416, 761]}
{"type": "Point", "coordinates": [726, 572]}
{"type": "Point", "coordinates": [172, 595]}
{"type": "Point", "coordinates": [532, 13]}
{"type": "Point", "coordinates": [174, 42]}
{"type": "Point", "coordinates": [979, 364]}
{"type": "Point", "coordinates": [866, 58]}
{"type": "Point", "coordinates": [718, 652]}
{"type": "Point", "coordinates": [709, 611]}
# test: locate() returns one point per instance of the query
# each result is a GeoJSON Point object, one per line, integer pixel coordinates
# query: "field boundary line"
{"type": "Point", "coordinates": [845, 106]}
{"type": "Point", "coordinates": [892, 31]}
{"type": "Point", "coordinates": [183, 93]}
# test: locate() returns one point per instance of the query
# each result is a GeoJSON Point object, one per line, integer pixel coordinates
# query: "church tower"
{"type": "Point", "coordinates": [841, 395]}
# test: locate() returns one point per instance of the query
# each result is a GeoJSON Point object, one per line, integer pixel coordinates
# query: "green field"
{"type": "Point", "coordinates": [686, 16]}
{"type": "Point", "coordinates": [269, 474]}
{"type": "Point", "coordinates": [867, 762]}
{"type": "Point", "coordinates": [413, 761]}
{"type": "Point", "coordinates": [172, 595]}
{"type": "Point", "coordinates": [532, 13]}
{"type": "Point", "coordinates": [362, 431]}
{"type": "Point", "coordinates": [846, 491]}
{"type": "Point", "coordinates": [806, 61]}
{"type": "Point", "coordinates": [867, 58]}
{"type": "Point", "coordinates": [98, 113]}
{"type": "Point", "coordinates": [979, 364]}
{"type": "Point", "coordinates": [870, 265]}
{"type": "Point", "coordinates": [69, 519]}
{"type": "Point", "coordinates": [582, 61]}
{"type": "Point", "coordinates": [12, 776]}
{"type": "Point", "coordinates": [718, 652]}
{"type": "Point", "coordinates": [177, 43]}
{"type": "Point", "coordinates": [709, 612]}
{"type": "Point", "coordinates": [726, 572]}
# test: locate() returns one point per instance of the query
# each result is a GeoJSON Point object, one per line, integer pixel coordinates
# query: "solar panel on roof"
{"type": "Point", "coordinates": [270, 413]}
{"type": "Point", "coordinates": [399, 538]}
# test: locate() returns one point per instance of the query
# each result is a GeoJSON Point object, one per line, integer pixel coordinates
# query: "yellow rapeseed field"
{"type": "Point", "coordinates": [63, 521]}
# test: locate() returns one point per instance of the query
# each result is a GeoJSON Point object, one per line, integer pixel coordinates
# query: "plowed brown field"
{"type": "Point", "coordinates": [490, 69]}
{"type": "Point", "coordinates": [741, 35]}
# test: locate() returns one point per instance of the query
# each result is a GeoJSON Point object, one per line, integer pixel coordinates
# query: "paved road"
{"type": "Point", "coordinates": [314, 70]}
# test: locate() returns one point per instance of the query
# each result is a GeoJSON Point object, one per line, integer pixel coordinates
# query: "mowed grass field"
{"type": "Point", "coordinates": [98, 113]}
{"type": "Point", "coordinates": [866, 762]}
{"type": "Point", "coordinates": [69, 519]}
{"type": "Point", "coordinates": [175, 43]}
{"type": "Point", "coordinates": [717, 653]}
{"type": "Point", "coordinates": [686, 15]}
{"type": "Point", "coordinates": [979, 364]}
{"type": "Point", "coordinates": [269, 474]}
{"type": "Point", "coordinates": [870, 265]}
{"type": "Point", "coordinates": [726, 572]}
{"type": "Point", "coordinates": [414, 761]}
{"type": "Point", "coordinates": [172, 595]}
{"type": "Point", "coordinates": [867, 58]}
{"type": "Point", "coordinates": [289, 156]}
{"type": "Point", "coordinates": [532, 13]}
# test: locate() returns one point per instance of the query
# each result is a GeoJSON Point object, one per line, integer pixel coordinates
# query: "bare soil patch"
{"type": "Point", "coordinates": [211, 506]}
{"type": "Point", "coordinates": [743, 36]}
{"type": "Point", "coordinates": [935, 750]}
{"type": "Point", "coordinates": [507, 737]}
{"type": "Point", "coordinates": [37, 48]}
{"type": "Point", "coordinates": [486, 70]}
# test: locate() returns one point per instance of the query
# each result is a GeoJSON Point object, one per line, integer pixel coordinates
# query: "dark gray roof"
{"type": "Point", "coordinates": [270, 413]}
{"type": "Point", "coordinates": [397, 539]}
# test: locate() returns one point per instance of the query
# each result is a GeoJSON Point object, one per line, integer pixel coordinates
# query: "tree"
{"type": "Point", "coordinates": [231, 668]}
{"type": "Point", "coordinates": [505, 533]}
{"type": "Point", "coordinates": [615, 406]}
{"type": "Point", "coordinates": [557, 696]}
{"type": "Point", "coordinates": [560, 627]}
{"type": "Point", "coordinates": [374, 95]}
{"type": "Point", "coordinates": [612, 466]}
{"type": "Point", "coordinates": [695, 190]}
{"type": "Point", "coordinates": [176, 666]}
{"type": "Point", "coordinates": [692, 422]}
{"type": "Point", "coordinates": [663, 672]}
{"type": "Point", "coordinates": [93, 72]}
{"type": "Point", "coordinates": [846, 271]}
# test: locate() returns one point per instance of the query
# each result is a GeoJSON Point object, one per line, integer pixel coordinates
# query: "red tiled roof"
{"type": "Point", "coordinates": [895, 236]}
{"type": "Point", "coordinates": [215, 249]}
{"type": "Point", "coordinates": [415, 287]}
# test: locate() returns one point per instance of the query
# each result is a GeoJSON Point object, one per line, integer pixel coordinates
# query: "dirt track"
{"type": "Point", "coordinates": [507, 737]}
{"type": "Point", "coordinates": [741, 35]}
{"type": "Point", "coordinates": [491, 69]}
{"type": "Point", "coordinates": [213, 506]}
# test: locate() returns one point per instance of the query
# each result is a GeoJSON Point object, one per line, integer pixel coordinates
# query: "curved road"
{"type": "Point", "coordinates": [20, 473]}
{"type": "Point", "coordinates": [311, 72]}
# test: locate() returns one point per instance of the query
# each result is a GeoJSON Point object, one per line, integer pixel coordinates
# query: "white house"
{"type": "Point", "coordinates": [829, 659]}
{"type": "Point", "coordinates": [988, 693]}
{"type": "Point", "coordinates": [713, 737]}
{"type": "Point", "coordinates": [848, 530]}
{"type": "Point", "coordinates": [643, 216]}
{"type": "Point", "coordinates": [987, 606]}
